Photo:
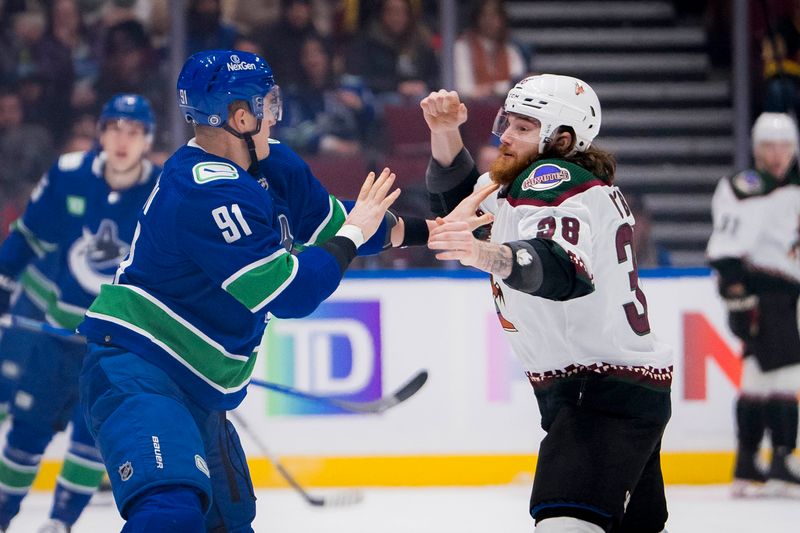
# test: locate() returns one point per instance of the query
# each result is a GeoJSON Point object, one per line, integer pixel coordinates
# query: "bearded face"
{"type": "Point", "coordinates": [513, 159]}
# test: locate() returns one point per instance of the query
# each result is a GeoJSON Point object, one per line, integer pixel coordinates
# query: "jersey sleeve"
{"type": "Point", "coordinates": [736, 224]}
{"type": "Point", "coordinates": [232, 238]}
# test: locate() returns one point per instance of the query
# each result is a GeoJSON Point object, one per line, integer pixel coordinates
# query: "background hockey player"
{"type": "Point", "coordinates": [754, 248]}
{"type": "Point", "coordinates": [565, 284]}
{"type": "Point", "coordinates": [220, 243]}
{"type": "Point", "coordinates": [81, 217]}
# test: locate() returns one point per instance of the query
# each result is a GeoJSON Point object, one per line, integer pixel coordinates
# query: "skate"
{"type": "Point", "coordinates": [784, 474]}
{"type": "Point", "coordinates": [54, 526]}
{"type": "Point", "coordinates": [748, 477]}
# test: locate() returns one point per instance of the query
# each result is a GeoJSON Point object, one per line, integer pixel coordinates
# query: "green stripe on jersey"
{"type": "Point", "coordinates": [138, 311]}
{"type": "Point", "coordinates": [260, 282]}
{"type": "Point", "coordinates": [40, 247]}
{"type": "Point", "coordinates": [46, 295]}
{"type": "Point", "coordinates": [335, 219]}
{"type": "Point", "coordinates": [81, 473]}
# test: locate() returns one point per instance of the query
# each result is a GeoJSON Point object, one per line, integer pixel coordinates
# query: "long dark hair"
{"type": "Point", "coordinates": [599, 162]}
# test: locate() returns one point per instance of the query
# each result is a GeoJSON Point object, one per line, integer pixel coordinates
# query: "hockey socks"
{"type": "Point", "coordinates": [80, 477]}
{"type": "Point", "coordinates": [166, 510]}
{"type": "Point", "coordinates": [781, 418]}
{"type": "Point", "coordinates": [17, 472]}
{"type": "Point", "coordinates": [750, 425]}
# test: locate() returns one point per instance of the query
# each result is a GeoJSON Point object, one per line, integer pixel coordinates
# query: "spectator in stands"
{"type": "Point", "coordinates": [395, 56]}
{"type": "Point", "coordinates": [25, 150]}
{"type": "Point", "coordinates": [66, 65]}
{"type": "Point", "coordinates": [283, 41]}
{"type": "Point", "coordinates": [780, 53]}
{"type": "Point", "coordinates": [130, 66]}
{"type": "Point", "coordinates": [18, 43]}
{"type": "Point", "coordinates": [205, 28]}
{"type": "Point", "coordinates": [486, 62]}
{"type": "Point", "coordinates": [322, 113]}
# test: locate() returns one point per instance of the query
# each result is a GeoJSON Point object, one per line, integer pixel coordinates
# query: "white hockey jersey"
{"type": "Point", "coordinates": [757, 220]}
{"type": "Point", "coordinates": [606, 331]}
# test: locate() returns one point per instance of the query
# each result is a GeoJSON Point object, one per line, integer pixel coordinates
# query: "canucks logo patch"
{"type": "Point", "coordinates": [93, 258]}
{"type": "Point", "coordinates": [546, 177]}
{"type": "Point", "coordinates": [206, 172]}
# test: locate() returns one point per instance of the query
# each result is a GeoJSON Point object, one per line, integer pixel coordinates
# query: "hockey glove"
{"type": "Point", "coordinates": [7, 287]}
{"type": "Point", "coordinates": [743, 316]}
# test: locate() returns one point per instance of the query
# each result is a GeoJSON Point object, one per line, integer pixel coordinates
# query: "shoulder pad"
{"type": "Point", "coordinates": [208, 171]}
{"type": "Point", "coordinates": [71, 161]}
{"type": "Point", "coordinates": [748, 183]}
{"type": "Point", "coordinates": [550, 182]}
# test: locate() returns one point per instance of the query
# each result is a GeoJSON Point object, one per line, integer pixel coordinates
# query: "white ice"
{"type": "Point", "coordinates": [496, 509]}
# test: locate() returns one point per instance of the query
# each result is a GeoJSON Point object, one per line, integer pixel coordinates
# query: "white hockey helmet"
{"type": "Point", "coordinates": [774, 127]}
{"type": "Point", "coordinates": [554, 101]}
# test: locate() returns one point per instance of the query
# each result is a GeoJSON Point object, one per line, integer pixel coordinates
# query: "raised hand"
{"type": "Point", "coordinates": [373, 201]}
{"type": "Point", "coordinates": [466, 211]}
{"type": "Point", "coordinates": [443, 111]}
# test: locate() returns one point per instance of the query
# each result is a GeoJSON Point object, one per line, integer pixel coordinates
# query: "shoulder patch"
{"type": "Point", "coordinates": [545, 177]}
{"type": "Point", "coordinates": [212, 171]}
{"type": "Point", "coordinates": [748, 183]}
{"type": "Point", "coordinates": [70, 161]}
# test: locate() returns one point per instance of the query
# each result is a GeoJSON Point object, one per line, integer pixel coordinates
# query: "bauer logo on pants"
{"type": "Point", "coordinates": [336, 351]}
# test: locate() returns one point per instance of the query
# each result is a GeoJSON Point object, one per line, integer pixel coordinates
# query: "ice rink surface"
{"type": "Point", "coordinates": [498, 509]}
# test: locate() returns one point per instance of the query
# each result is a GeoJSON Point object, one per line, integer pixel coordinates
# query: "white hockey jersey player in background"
{"type": "Point", "coordinates": [754, 249]}
{"type": "Point", "coordinates": [565, 284]}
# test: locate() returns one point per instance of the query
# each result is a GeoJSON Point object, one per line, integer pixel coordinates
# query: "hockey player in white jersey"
{"type": "Point", "coordinates": [565, 285]}
{"type": "Point", "coordinates": [754, 249]}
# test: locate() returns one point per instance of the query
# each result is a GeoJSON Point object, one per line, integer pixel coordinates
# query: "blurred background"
{"type": "Point", "coordinates": [680, 82]}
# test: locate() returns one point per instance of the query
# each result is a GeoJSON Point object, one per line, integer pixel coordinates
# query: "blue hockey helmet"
{"type": "Point", "coordinates": [129, 107]}
{"type": "Point", "coordinates": [211, 80]}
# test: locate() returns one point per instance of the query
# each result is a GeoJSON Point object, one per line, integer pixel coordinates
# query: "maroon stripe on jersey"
{"type": "Point", "coordinates": [646, 375]}
{"type": "Point", "coordinates": [558, 200]}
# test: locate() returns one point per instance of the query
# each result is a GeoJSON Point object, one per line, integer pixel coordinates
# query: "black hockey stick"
{"type": "Point", "coordinates": [371, 407]}
{"type": "Point", "coordinates": [333, 499]}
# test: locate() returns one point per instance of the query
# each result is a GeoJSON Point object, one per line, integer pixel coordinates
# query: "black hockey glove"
{"type": "Point", "coordinates": [7, 287]}
{"type": "Point", "coordinates": [743, 316]}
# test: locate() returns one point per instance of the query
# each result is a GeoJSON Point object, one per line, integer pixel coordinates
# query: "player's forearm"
{"type": "Point", "coordinates": [445, 146]}
{"type": "Point", "coordinates": [448, 185]}
{"type": "Point", "coordinates": [413, 233]}
{"type": "Point", "coordinates": [495, 259]}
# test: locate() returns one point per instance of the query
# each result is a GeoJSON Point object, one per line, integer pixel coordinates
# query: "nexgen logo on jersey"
{"type": "Point", "coordinates": [335, 351]}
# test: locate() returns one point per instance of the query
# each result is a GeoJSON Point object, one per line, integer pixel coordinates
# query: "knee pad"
{"type": "Point", "coordinates": [567, 524]}
{"type": "Point", "coordinates": [166, 510]}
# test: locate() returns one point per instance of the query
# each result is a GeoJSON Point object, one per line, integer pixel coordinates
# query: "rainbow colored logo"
{"type": "Point", "coordinates": [336, 351]}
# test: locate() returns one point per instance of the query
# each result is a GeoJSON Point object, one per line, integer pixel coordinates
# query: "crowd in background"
{"type": "Point", "coordinates": [347, 69]}
{"type": "Point", "coordinates": [339, 64]}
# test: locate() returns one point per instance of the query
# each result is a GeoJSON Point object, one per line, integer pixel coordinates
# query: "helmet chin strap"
{"type": "Point", "coordinates": [254, 169]}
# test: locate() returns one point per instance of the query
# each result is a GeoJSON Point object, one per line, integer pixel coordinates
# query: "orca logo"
{"type": "Point", "coordinates": [93, 258]}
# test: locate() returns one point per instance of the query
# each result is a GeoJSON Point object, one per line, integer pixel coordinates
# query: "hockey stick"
{"type": "Point", "coordinates": [372, 407]}
{"type": "Point", "coordinates": [36, 326]}
{"type": "Point", "coordinates": [333, 499]}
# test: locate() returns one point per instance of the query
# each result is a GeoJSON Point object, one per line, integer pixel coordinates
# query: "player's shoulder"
{"type": "Point", "coordinates": [549, 182]}
{"type": "Point", "coordinates": [191, 168]}
{"type": "Point", "coordinates": [75, 163]}
{"type": "Point", "coordinates": [282, 161]}
{"type": "Point", "coordinates": [748, 184]}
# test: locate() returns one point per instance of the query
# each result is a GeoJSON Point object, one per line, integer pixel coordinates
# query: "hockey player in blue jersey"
{"type": "Point", "coordinates": [81, 220]}
{"type": "Point", "coordinates": [220, 243]}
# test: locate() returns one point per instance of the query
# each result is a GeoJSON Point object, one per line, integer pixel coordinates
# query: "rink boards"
{"type": "Point", "coordinates": [476, 421]}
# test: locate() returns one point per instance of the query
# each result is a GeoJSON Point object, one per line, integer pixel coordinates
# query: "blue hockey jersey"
{"type": "Point", "coordinates": [214, 253]}
{"type": "Point", "coordinates": [81, 227]}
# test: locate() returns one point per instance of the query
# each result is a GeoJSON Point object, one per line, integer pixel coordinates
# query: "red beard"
{"type": "Point", "coordinates": [504, 170]}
